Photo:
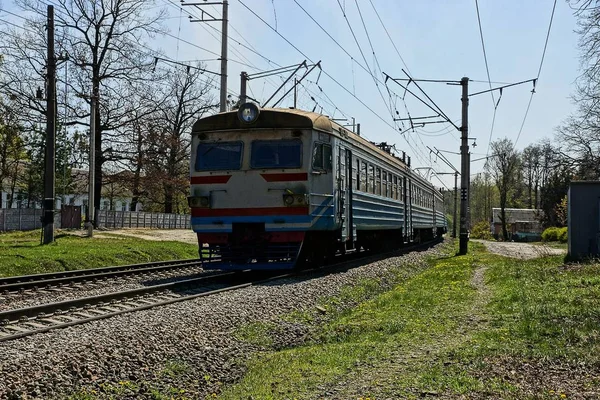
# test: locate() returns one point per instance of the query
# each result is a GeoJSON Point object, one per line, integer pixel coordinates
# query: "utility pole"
{"type": "Point", "coordinates": [223, 101]}
{"type": "Point", "coordinates": [91, 175]}
{"type": "Point", "coordinates": [49, 178]}
{"type": "Point", "coordinates": [224, 23]}
{"type": "Point", "coordinates": [464, 169]}
{"type": "Point", "coordinates": [295, 92]}
{"type": "Point", "coordinates": [243, 85]}
{"type": "Point", "coordinates": [455, 203]}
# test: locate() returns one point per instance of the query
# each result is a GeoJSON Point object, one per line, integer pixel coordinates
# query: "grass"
{"type": "Point", "coordinates": [554, 245]}
{"type": "Point", "coordinates": [528, 329]}
{"type": "Point", "coordinates": [22, 254]}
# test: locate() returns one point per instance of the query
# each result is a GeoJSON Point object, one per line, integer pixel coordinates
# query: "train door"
{"type": "Point", "coordinates": [344, 192]}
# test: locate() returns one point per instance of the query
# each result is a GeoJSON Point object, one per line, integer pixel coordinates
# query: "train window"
{"type": "Point", "coordinates": [322, 157]}
{"type": "Point", "coordinates": [356, 176]}
{"type": "Point", "coordinates": [276, 154]}
{"type": "Point", "coordinates": [384, 183]}
{"type": "Point", "coordinates": [219, 156]}
{"type": "Point", "coordinates": [395, 188]}
{"type": "Point", "coordinates": [363, 176]}
{"type": "Point", "coordinates": [371, 179]}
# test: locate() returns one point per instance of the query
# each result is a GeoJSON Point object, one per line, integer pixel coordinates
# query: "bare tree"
{"type": "Point", "coordinates": [102, 39]}
{"type": "Point", "coordinates": [531, 164]}
{"type": "Point", "coordinates": [167, 158]}
{"type": "Point", "coordinates": [503, 166]}
{"type": "Point", "coordinates": [12, 150]}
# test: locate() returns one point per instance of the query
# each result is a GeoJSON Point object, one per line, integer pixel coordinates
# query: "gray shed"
{"type": "Point", "coordinates": [584, 219]}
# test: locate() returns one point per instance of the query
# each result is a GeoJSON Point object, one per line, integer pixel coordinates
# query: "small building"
{"type": "Point", "coordinates": [523, 224]}
{"type": "Point", "coordinates": [584, 219]}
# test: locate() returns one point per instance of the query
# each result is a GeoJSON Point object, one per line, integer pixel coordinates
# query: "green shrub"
{"type": "Point", "coordinates": [481, 230]}
{"type": "Point", "coordinates": [563, 235]}
{"type": "Point", "coordinates": [550, 234]}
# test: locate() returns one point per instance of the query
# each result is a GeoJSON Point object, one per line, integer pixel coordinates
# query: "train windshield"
{"type": "Point", "coordinates": [276, 154]}
{"type": "Point", "coordinates": [219, 156]}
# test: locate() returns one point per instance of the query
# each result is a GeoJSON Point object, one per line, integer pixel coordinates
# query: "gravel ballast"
{"type": "Point", "coordinates": [188, 348]}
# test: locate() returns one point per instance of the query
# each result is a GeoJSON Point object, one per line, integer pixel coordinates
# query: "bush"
{"type": "Point", "coordinates": [550, 234]}
{"type": "Point", "coordinates": [481, 230]}
{"type": "Point", "coordinates": [563, 235]}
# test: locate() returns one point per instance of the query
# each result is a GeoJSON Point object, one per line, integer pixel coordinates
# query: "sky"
{"type": "Point", "coordinates": [431, 39]}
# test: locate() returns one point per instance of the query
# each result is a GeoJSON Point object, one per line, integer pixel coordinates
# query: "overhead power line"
{"type": "Point", "coordinates": [324, 71]}
{"type": "Point", "coordinates": [487, 69]}
{"type": "Point", "coordinates": [539, 72]}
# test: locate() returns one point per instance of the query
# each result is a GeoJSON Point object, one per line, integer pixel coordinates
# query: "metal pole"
{"type": "Point", "coordinates": [295, 92]}
{"type": "Point", "coordinates": [91, 174]}
{"type": "Point", "coordinates": [50, 135]}
{"type": "Point", "coordinates": [464, 169]}
{"type": "Point", "coordinates": [455, 204]}
{"type": "Point", "coordinates": [243, 84]}
{"type": "Point", "coordinates": [223, 102]}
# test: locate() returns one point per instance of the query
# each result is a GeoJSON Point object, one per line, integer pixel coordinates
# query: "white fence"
{"type": "Point", "coordinates": [23, 219]}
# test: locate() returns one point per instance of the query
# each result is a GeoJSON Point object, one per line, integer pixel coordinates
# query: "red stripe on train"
{"type": "Point", "coordinates": [283, 177]}
{"type": "Point", "coordinates": [243, 212]}
{"type": "Point", "coordinates": [210, 179]}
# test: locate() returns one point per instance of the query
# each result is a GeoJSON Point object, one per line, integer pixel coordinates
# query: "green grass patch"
{"type": "Point", "coordinates": [554, 245]}
{"type": "Point", "coordinates": [479, 324]}
{"type": "Point", "coordinates": [21, 253]}
{"type": "Point", "coordinates": [258, 333]}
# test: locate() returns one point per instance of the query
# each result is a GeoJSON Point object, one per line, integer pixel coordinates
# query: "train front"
{"type": "Point", "coordinates": [249, 187]}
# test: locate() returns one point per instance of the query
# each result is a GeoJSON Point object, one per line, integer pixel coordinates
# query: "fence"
{"type": "Point", "coordinates": [23, 219]}
{"type": "Point", "coordinates": [138, 219]}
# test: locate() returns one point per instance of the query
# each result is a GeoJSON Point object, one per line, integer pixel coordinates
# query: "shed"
{"type": "Point", "coordinates": [523, 224]}
{"type": "Point", "coordinates": [584, 219]}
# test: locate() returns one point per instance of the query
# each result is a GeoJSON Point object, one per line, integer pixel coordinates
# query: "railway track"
{"type": "Point", "coordinates": [58, 279]}
{"type": "Point", "coordinates": [27, 321]}
{"type": "Point", "coordinates": [22, 322]}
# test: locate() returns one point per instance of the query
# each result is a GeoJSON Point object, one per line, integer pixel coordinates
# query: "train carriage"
{"type": "Point", "coordinates": [274, 188]}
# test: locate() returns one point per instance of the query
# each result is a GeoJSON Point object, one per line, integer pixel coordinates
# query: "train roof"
{"type": "Point", "coordinates": [290, 118]}
{"type": "Point", "coordinates": [276, 118]}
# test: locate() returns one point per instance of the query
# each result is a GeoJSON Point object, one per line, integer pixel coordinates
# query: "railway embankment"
{"type": "Point", "coordinates": [478, 326]}
{"type": "Point", "coordinates": [192, 349]}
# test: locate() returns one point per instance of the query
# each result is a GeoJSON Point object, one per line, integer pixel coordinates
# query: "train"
{"type": "Point", "coordinates": [277, 188]}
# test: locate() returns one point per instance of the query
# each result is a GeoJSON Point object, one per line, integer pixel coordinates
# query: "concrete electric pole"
{"type": "Point", "coordinates": [464, 170]}
{"type": "Point", "coordinates": [224, 27]}
{"type": "Point", "coordinates": [49, 201]}
{"type": "Point", "coordinates": [91, 175]}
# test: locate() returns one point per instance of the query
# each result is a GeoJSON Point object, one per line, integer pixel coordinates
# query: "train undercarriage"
{"type": "Point", "coordinates": [249, 246]}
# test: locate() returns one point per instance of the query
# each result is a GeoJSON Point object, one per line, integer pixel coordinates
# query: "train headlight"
{"type": "Point", "coordinates": [199, 201]}
{"type": "Point", "coordinates": [295, 199]}
{"type": "Point", "coordinates": [288, 199]}
{"type": "Point", "coordinates": [248, 113]}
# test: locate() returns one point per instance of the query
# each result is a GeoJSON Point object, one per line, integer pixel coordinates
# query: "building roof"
{"type": "Point", "coordinates": [517, 215]}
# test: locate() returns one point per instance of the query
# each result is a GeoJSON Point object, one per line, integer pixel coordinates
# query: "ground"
{"type": "Point", "coordinates": [524, 251]}
{"type": "Point", "coordinates": [180, 235]}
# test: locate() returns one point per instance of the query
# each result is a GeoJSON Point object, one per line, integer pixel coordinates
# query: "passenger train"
{"type": "Point", "coordinates": [280, 188]}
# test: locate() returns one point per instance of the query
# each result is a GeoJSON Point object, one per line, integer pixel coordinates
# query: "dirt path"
{"type": "Point", "coordinates": [180, 235]}
{"type": "Point", "coordinates": [522, 251]}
